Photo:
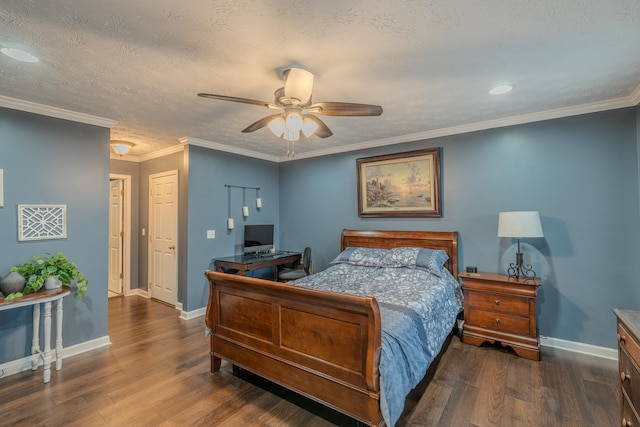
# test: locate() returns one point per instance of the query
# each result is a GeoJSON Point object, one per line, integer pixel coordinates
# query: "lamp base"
{"type": "Point", "coordinates": [519, 270]}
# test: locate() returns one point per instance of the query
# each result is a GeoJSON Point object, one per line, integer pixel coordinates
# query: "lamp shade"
{"type": "Point", "coordinates": [519, 224]}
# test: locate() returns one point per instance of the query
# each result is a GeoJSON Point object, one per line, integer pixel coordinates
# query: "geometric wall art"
{"type": "Point", "coordinates": [42, 222]}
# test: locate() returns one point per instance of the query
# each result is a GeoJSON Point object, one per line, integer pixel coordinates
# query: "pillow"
{"type": "Point", "coordinates": [431, 260]}
{"type": "Point", "coordinates": [367, 257]}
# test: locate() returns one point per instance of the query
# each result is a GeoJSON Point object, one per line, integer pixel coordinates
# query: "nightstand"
{"type": "Point", "coordinates": [500, 308]}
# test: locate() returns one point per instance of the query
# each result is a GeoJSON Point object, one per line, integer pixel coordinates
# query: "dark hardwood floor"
{"type": "Point", "coordinates": [156, 373]}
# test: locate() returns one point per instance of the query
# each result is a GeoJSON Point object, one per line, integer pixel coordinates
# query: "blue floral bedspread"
{"type": "Point", "coordinates": [417, 309]}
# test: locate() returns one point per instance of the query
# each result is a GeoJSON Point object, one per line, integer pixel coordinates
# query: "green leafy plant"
{"type": "Point", "coordinates": [39, 269]}
{"type": "Point", "coordinates": [13, 296]}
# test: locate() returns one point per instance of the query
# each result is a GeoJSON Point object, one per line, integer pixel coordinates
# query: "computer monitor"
{"type": "Point", "coordinates": [258, 238]}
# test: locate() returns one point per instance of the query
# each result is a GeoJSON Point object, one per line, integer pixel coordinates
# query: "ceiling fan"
{"type": "Point", "coordinates": [294, 101]}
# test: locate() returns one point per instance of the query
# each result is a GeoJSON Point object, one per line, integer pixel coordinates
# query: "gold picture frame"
{"type": "Point", "coordinates": [400, 185]}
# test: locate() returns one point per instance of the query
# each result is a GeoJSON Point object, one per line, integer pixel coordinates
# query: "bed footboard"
{"type": "Point", "coordinates": [323, 345]}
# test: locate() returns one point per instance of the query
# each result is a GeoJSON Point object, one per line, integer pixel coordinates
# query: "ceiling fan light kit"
{"type": "Point", "coordinates": [294, 99]}
{"type": "Point", "coordinates": [276, 126]}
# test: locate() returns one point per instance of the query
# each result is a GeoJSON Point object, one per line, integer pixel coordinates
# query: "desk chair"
{"type": "Point", "coordinates": [288, 274]}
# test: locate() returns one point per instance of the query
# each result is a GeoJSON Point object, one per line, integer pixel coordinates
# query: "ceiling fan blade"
{"type": "Point", "coordinates": [323, 130]}
{"type": "Point", "coordinates": [345, 109]}
{"type": "Point", "coordinates": [299, 85]}
{"type": "Point", "coordinates": [260, 123]}
{"type": "Point", "coordinates": [241, 100]}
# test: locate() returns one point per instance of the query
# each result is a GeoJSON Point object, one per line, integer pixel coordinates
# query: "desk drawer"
{"type": "Point", "coordinates": [499, 303]}
{"type": "Point", "coordinates": [499, 322]}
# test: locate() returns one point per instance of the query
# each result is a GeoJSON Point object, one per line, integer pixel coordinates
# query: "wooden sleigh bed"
{"type": "Point", "coordinates": [323, 345]}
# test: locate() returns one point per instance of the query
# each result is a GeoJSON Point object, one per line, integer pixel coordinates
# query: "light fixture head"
{"type": "Point", "coordinates": [18, 55]}
{"type": "Point", "coordinates": [277, 126]}
{"type": "Point", "coordinates": [291, 135]}
{"type": "Point", "coordinates": [309, 127]}
{"type": "Point", "coordinates": [294, 121]}
{"type": "Point", "coordinates": [121, 147]}
{"type": "Point", "coordinates": [298, 85]}
{"type": "Point", "coordinates": [501, 90]}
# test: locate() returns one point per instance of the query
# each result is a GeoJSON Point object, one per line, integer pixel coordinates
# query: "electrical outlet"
{"type": "Point", "coordinates": [211, 234]}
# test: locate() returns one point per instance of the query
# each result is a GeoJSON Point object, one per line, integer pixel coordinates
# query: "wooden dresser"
{"type": "Point", "coordinates": [498, 308]}
{"type": "Point", "coordinates": [628, 361]}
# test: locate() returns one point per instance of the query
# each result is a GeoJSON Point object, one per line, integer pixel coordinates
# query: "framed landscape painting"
{"type": "Point", "coordinates": [400, 185]}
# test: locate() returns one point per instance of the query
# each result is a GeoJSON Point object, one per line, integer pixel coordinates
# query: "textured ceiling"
{"type": "Point", "coordinates": [429, 63]}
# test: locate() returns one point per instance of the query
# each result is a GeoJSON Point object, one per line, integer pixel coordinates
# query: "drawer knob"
{"type": "Point", "coordinates": [625, 377]}
{"type": "Point", "coordinates": [497, 302]}
{"type": "Point", "coordinates": [626, 423]}
{"type": "Point", "coordinates": [622, 338]}
{"type": "Point", "coordinates": [497, 320]}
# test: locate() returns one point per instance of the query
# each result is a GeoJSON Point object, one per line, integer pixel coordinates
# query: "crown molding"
{"type": "Point", "coordinates": [154, 155]}
{"type": "Point", "coordinates": [227, 148]}
{"type": "Point", "coordinates": [161, 153]}
{"type": "Point", "coordinates": [635, 96]}
{"type": "Point", "coordinates": [576, 110]}
{"type": "Point", "coordinates": [58, 113]}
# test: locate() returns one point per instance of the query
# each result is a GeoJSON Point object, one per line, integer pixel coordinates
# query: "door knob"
{"type": "Point", "coordinates": [172, 247]}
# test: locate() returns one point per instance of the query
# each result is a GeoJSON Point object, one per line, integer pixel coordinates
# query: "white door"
{"type": "Point", "coordinates": [116, 235]}
{"type": "Point", "coordinates": [163, 236]}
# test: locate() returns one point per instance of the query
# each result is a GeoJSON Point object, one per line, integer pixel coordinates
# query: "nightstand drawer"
{"type": "Point", "coordinates": [499, 303]}
{"type": "Point", "coordinates": [499, 322]}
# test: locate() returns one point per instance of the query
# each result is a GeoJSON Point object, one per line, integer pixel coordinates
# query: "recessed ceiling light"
{"type": "Point", "coordinates": [18, 55]}
{"type": "Point", "coordinates": [501, 90]}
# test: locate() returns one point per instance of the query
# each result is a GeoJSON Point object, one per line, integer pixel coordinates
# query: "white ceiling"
{"type": "Point", "coordinates": [429, 63]}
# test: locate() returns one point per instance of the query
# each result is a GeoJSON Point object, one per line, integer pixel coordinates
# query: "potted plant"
{"type": "Point", "coordinates": [40, 269]}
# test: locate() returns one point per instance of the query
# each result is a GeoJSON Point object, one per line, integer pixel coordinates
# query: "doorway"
{"type": "Point", "coordinates": [163, 236]}
{"type": "Point", "coordinates": [119, 258]}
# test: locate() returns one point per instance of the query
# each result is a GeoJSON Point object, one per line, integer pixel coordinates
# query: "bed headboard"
{"type": "Point", "coordinates": [445, 240]}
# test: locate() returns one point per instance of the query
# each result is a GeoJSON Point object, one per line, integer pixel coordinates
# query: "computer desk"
{"type": "Point", "coordinates": [240, 264]}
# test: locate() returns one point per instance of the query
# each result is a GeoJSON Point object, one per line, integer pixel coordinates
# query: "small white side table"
{"type": "Point", "coordinates": [45, 297]}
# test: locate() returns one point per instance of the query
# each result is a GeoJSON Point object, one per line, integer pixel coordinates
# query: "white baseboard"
{"type": "Point", "coordinates": [578, 347]}
{"type": "Point", "coordinates": [140, 292]}
{"type": "Point", "coordinates": [19, 365]}
{"type": "Point", "coordinates": [188, 315]}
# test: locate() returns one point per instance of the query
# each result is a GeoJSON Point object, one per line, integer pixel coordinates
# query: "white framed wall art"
{"type": "Point", "coordinates": [42, 222]}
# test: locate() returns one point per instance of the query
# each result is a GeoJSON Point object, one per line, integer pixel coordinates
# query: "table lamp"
{"type": "Point", "coordinates": [520, 224]}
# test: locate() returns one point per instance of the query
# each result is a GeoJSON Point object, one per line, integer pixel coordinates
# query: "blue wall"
{"type": "Point", "coordinates": [209, 171]}
{"type": "Point", "coordinates": [580, 173]}
{"type": "Point", "coordinates": [52, 161]}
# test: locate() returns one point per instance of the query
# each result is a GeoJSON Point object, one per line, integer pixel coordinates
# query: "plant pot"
{"type": "Point", "coordinates": [13, 282]}
{"type": "Point", "coordinates": [52, 282]}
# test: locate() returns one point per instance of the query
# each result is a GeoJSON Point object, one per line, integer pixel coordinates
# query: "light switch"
{"type": "Point", "coordinates": [144, 232]}
{"type": "Point", "coordinates": [211, 234]}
